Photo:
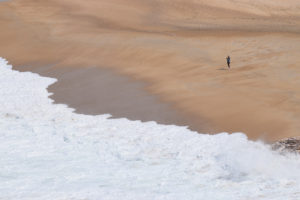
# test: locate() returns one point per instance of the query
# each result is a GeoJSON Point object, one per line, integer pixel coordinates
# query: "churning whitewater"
{"type": "Point", "coordinates": [49, 152]}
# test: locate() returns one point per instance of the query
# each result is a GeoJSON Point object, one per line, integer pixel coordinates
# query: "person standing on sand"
{"type": "Point", "coordinates": [228, 61]}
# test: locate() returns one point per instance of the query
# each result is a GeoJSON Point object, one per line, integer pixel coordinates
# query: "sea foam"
{"type": "Point", "coordinates": [49, 152]}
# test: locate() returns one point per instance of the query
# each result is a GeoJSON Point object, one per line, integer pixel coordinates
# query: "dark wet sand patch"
{"type": "Point", "coordinates": [94, 91]}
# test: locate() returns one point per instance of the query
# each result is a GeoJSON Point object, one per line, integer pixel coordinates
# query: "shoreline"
{"type": "Point", "coordinates": [63, 155]}
{"type": "Point", "coordinates": [97, 91]}
{"type": "Point", "coordinates": [258, 96]}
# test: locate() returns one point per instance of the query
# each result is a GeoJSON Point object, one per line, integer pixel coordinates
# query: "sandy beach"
{"type": "Point", "coordinates": [170, 56]}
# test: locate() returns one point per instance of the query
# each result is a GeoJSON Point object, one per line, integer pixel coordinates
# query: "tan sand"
{"type": "Point", "coordinates": [178, 47]}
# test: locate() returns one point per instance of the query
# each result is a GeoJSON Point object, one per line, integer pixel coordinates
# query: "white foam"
{"type": "Point", "coordinates": [49, 152]}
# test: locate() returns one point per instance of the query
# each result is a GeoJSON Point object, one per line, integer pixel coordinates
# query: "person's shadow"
{"type": "Point", "coordinates": [223, 68]}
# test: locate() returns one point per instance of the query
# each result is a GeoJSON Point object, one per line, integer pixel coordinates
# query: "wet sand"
{"type": "Point", "coordinates": [177, 48]}
{"type": "Point", "coordinates": [94, 90]}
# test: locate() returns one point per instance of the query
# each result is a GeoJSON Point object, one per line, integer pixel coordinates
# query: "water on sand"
{"type": "Point", "coordinates": [49, 152]}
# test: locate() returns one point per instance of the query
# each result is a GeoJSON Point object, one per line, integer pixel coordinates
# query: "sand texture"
{"type": "Point", "coordinates": [177, 47]}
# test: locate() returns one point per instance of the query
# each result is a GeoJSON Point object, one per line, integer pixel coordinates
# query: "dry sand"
{"type": "Point", "coordinates": [178, 47]}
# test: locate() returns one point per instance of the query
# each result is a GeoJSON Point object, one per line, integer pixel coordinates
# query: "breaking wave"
{"type": "Point", "coordinates": [49, 152]}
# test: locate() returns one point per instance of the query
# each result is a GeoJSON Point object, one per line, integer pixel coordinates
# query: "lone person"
{"type": "Point", "coordinates": [228, 61]}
